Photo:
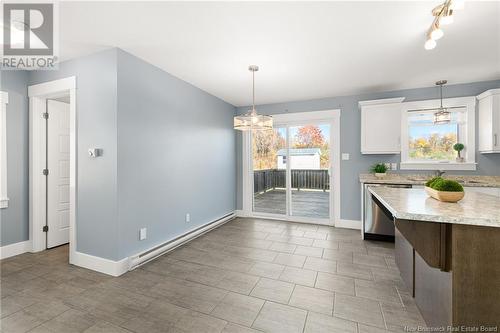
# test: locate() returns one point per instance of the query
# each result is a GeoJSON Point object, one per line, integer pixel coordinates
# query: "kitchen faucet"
{"type": "Point", "coordinates": [439, 173]}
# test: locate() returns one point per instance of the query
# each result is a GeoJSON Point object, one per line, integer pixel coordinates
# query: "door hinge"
{"type": "Point", "coordinates": [45, 115]}
{"type": "Point", "coordinates": [45, 172]}
{"type": "Point", "coordinates": [45, 228]}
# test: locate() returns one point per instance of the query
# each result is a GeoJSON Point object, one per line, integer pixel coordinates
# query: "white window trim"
{"type": "Point", "coordinates": [469, 103]}
{"type": "Point", "coordinates": [4, 100]}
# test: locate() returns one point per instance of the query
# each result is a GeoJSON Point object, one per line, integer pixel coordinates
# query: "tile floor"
{"type": "Point", "coordinates": [249, 275]}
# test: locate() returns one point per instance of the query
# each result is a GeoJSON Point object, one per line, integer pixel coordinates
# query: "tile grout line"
{"type": "Point", "coordinates": [383, 316]}
{"type": "Point", "coordinates": [253, 262]}
{"type": "Point", "coordinates": [305, 321]}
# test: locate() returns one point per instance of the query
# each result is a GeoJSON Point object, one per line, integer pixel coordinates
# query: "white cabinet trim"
{"type": "Point", "coordinates": [382, 101]}
{"type": "Point", "coordinates": [488, 93]}
{"type": "Point", "coordinates": [4, 100]}
{"type": "Point", "coordinates": [489, 121]}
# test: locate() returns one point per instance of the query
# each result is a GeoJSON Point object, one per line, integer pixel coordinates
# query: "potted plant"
{"type": "Point", "coordinates": [379, 170]}
{"type": "Point", "coordinates": [458, 147]}
{"type": "Point", "coordinates": [444, 189]}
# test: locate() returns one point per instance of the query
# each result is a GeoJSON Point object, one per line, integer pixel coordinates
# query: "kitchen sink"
{"type": "Point", "coordinates": [418, 179]}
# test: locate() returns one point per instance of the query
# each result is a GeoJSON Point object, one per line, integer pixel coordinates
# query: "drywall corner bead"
{"type": "Point", "coordinates": [4, 100]}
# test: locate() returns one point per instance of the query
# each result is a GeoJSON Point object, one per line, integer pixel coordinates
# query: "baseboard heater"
{"type": "Point", "coordinates": [142, 258]}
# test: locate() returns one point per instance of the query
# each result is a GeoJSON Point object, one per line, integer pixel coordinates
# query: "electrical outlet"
{"type": "Point", "coordinates": [394, 166]}
{"type": "Point", "coordinates": [188, 217]}
{"type": "Point", "coordinates": [142, 234]}
{"type": "Point", "coordinates": [345, 156]}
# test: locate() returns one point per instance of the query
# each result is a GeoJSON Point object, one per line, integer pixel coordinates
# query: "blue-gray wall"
{"type": "Point", "coordinates": [169, 149]}
{"type": "Point", "coordinates": [350, 136]}
{"type": "Point", "coordinates": [176, 155]}
{"type": "Point", "coordinates": [96, 102]}
{"type": "Point", "coordinates": [14, 219]}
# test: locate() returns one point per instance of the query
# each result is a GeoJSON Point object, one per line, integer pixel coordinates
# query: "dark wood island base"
{"type": "Point", "coordinates": [453, 271]}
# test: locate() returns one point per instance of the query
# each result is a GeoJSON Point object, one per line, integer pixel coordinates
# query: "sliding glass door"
{"type": "Point", "coordinates": [309, 158]}
{"type": "Point", "coordinates": [269, 171]}
{"type": "Point", "coordinates": [291, 171]}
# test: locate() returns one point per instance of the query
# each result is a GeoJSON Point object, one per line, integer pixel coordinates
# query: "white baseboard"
{"type": "Point", "coordinates": [102, 265]}
{"type": "Point", "coordinates": [240, 213]}
{"type": "Point", "coordinates": [348, 224]}
{"type": "Point", "coordinates": [15, 249]}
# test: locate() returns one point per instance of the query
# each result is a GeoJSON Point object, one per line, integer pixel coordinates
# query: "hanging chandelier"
{"type": "Point", "coordinates": [443, 15]}
{"type": "Point", "coordinates": [251, 120]}
{"type": "Point", "coordinates": [443, 116]}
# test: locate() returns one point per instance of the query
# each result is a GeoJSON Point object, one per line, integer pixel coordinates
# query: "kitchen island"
{"type": "Point", "coordinates": [448, 254]}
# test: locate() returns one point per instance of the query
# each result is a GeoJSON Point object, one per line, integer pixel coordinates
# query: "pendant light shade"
{"type": "Point", "coordinates": [443, 116]}
{"type": "Point", "coordinates": [252, 120]}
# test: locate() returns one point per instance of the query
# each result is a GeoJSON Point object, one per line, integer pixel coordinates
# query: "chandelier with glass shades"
{"type": "Point", "coordinates": [442, 116]}
{"type": "Point", "coordinates": [251, 120]}
{"type": "Point", "coordinates": [443, 15]}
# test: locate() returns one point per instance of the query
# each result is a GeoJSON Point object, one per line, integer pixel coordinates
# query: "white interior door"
{"type": "Point", "coordinates": [58, 178]}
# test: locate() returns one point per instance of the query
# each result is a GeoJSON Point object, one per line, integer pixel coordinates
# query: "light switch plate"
{"type": "Point", "coordinates": [142, 234]}
{"type": "Point", "coordinates": [95, 152]}
{"type": "Point", "coordinates": [394, 166]}
{"type": "Point", "coordinates": [345, 156]}
{"type": "Point", "coordinates": [188, 217]}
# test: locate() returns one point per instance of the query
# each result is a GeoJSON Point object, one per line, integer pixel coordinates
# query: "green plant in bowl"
{"type": "Point", "coordinates": [432, 180]}
{"type": "Point", "coordinates": [379, 170]}
{"type": "Point", "coordinates": [444, 189]}
{"type": "Point", "coordinates": [446, 185]}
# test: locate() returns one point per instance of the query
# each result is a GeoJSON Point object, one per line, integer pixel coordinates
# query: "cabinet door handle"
{"type": "Point", "coordinates": [495, 140]}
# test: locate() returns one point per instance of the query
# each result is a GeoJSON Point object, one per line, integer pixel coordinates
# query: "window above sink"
{"type": "Point", "coordinates": [429, 146]}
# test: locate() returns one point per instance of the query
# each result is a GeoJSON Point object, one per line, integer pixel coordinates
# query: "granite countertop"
{"type": "Point", "coordinates": [420, 179]}
{"type": "Point", "coordinates": [414, 204]}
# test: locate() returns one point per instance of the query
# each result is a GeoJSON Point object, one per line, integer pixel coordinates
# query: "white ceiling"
{"type": "Point", "coordinates": [305, 50]}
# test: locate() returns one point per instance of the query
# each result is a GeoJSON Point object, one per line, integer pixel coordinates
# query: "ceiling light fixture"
{"type": "Point", "coordinates": [447, 17]}
{"type": "Point", "coordinates": [443, 116]}
{"type": "Point", "coordinates": [251, 120]}
{"type": "Point", "coordinates": [436, 31]}
{"type": "Point", "coordinates": [430, 43]}
{"type": "Point", "coordinates": [443, 15]}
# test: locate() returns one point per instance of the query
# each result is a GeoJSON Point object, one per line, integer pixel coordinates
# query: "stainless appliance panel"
{"type": "Point", "coordinates": [376, 222]}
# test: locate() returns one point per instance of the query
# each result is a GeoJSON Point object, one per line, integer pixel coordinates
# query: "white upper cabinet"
{"type": "Point", "coordinates": [489, 121]}
{"type": "Point", "coordinates": [381, 126]}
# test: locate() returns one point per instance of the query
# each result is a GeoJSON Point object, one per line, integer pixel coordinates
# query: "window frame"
{"type": "Point", "coordinates": [466, 132]}
{"type": "Point", "coordinates": [4, 100]}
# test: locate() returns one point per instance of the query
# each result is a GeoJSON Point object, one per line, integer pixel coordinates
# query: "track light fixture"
{"type": "Point", "coordinates": [443, 15]}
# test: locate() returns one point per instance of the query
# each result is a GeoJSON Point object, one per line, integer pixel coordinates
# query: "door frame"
{"type": "Point", "coordinates": [38, 95]}
{"type": "Point", "coordinates": [331, 117]}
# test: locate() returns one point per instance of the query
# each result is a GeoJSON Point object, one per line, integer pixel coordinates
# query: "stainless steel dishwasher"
{"type": "Point", "coordinates": [378, 222]}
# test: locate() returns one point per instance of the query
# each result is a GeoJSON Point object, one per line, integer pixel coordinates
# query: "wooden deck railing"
{"type": "Point", "coordinates": [264, 180]}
